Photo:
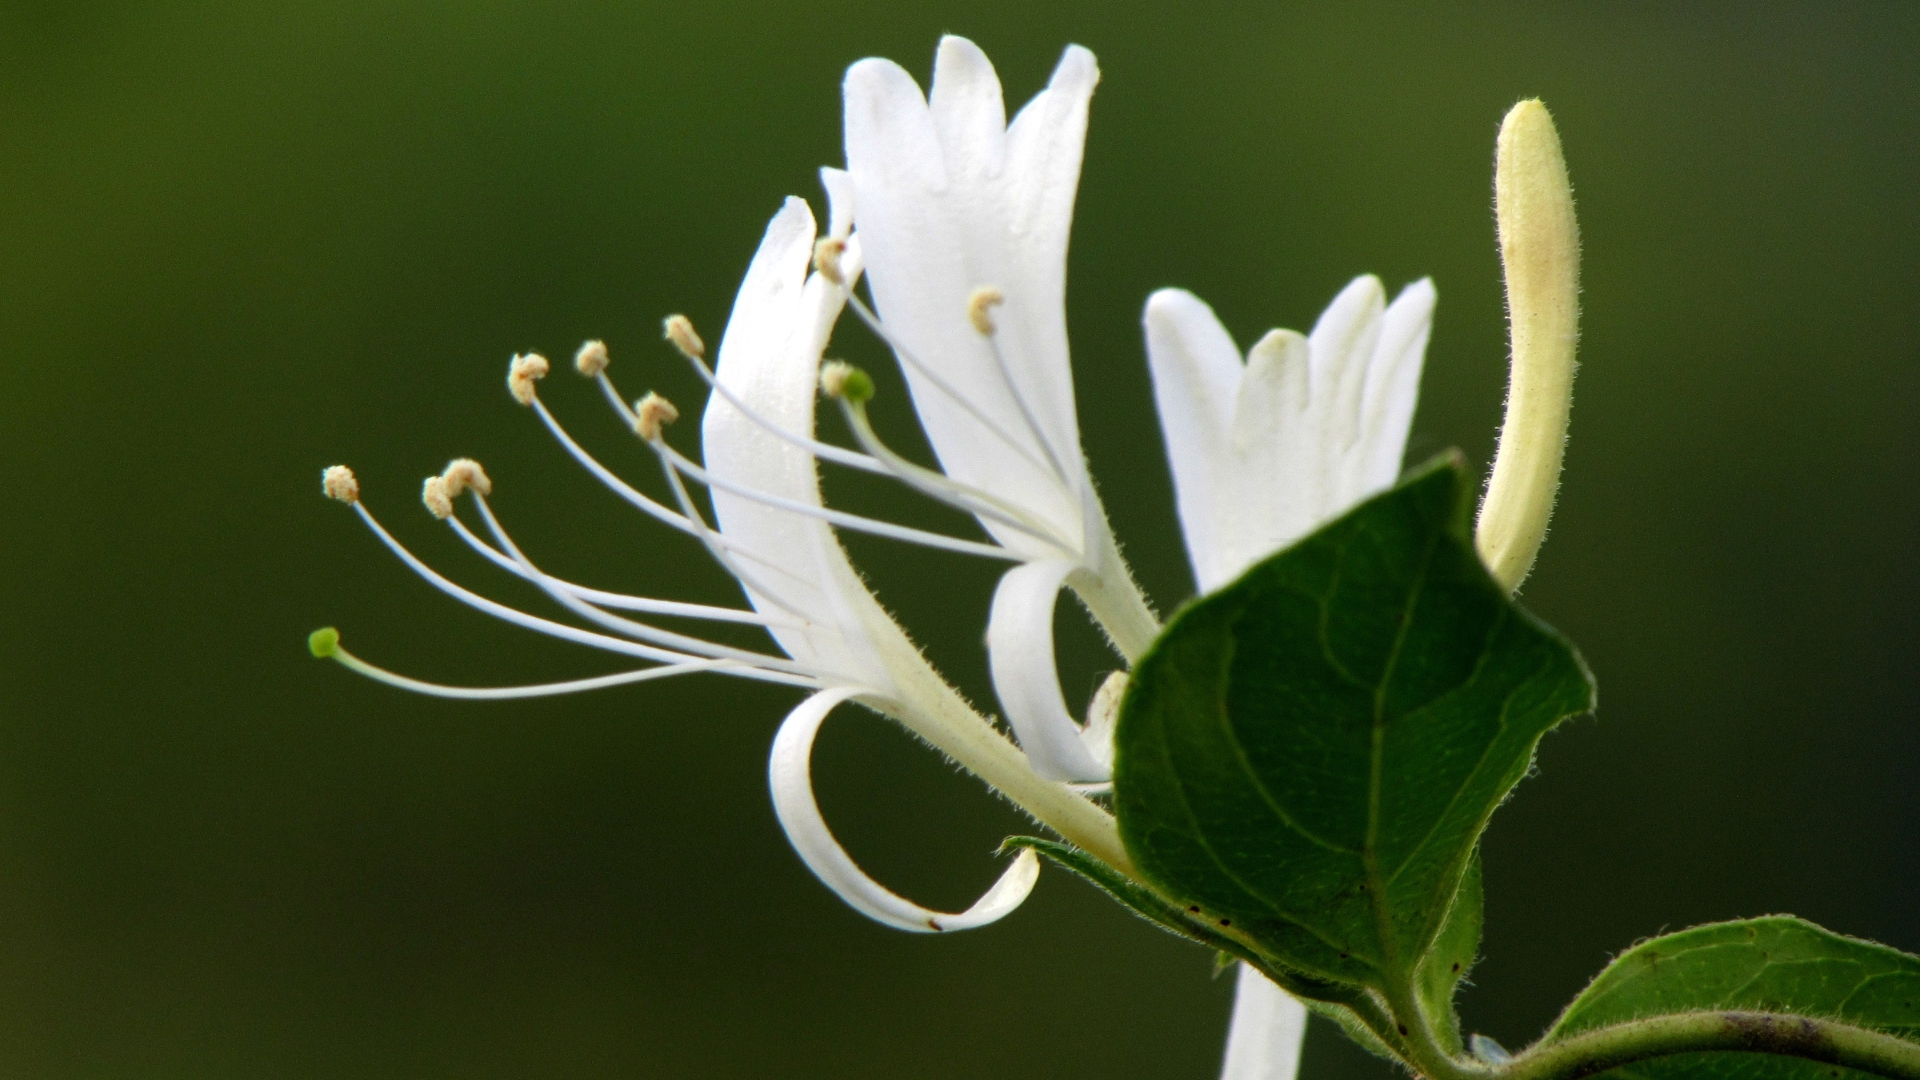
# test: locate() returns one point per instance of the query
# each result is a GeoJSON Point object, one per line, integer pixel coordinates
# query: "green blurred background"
{"type": "Point", "coordinates": [240, 241]}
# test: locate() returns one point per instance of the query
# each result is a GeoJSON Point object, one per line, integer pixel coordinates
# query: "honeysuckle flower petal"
{"type": "Point", "coordinates": [1263, 1041]}
{"type": "Point", "coordinates": [1020, 653]}
{"type": "Point", "coordinates": [948, 200]}
{"type": "Point", "coordinates": [789, 774]}
{"type": "Point", "coordinates": [768, 365]}
{"type": "Point", "coordinates": [964, 220]}
{"type": "Point", "coordinates": [1267, 450]}
{"type": "Point", "coordinates": [769, 353]}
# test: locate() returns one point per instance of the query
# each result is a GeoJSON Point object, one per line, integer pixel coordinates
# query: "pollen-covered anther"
{"type": "Point", "coordinates": [591, 360]}
{"type": "Point", "coordinates": [463, 473]}
{"type": "Point", "coordinates": [980, 307]}
{"type": "Point", "coordinates": [842, 381]}
{"type": "Point", "coordinates": [337, 482]}
{"type": "Point", "coordinates": [523, 372]}
{"type": "Point", "coordinates": [826, 259]}
{"type": "Point", "coordinates": [651, 413]}
{"type": "Point", "coordinates": [433, 494]}
{"type": "Point", "coordinates": [679, 330]}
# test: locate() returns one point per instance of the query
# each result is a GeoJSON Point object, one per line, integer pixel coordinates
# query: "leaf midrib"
{"type": "Point", "coordinates": [1369, 851]}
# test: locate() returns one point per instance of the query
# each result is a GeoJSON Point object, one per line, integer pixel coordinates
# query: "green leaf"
{"type": "Point", "coordinates": [1451, 957]}
{"type": "Point", "coordinates": [1776, 964]}
{"type": "Point", "coordinates": [1310, 754]}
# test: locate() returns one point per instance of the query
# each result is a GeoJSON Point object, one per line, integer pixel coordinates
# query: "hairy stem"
{"type": "Point", "coordinates": [1423, 1050]}
{"type": "Point", "coordinates": [1779, 1034]}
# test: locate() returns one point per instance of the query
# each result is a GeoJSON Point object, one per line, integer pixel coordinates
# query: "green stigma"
{"type": "Point", "coordinates": [324, 642]}
{"type": "Point", "coordinates": [858, 387]}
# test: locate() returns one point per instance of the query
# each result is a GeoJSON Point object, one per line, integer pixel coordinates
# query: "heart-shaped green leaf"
{"type": "Point", "coordinates": [1775, 964]}
{"type": "Point", "coordinates": [1309, 755]}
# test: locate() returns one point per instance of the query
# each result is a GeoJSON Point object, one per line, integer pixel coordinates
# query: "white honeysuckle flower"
{"type": "Point", "coordinates": [1268, 449]}
{"type": "Point", "coordinates": [1263, 452]}
{"type": "Point", "coordinates": [773, 533]}
{"type": "Point", "coordinates": [964, 220]}
{"type": "Point", "coordinates": [959, 223]}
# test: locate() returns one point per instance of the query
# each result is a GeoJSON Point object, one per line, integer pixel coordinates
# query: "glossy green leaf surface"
{"type": "Point", "coordinates": [1776, 964]}
{"type": "Point", "coordinates": [1309, 755]}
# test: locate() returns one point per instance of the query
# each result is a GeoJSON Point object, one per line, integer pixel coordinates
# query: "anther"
{"type": "Point", "coordinates": [464, 473]}
{"type": "Point", "coordinates": [522, 373]}
{"type": "Point", "coordinates": [844, 382]}
{"type": "Point", "coordinates": [433, 493]}
{"type": "Point", "coordinates": [338, 483]}
{"type": "Point", "coordinates": [980, 307]}
{"type": "Point", "coordinates": [651, 413]}
{"type": "Point", "coordinates": [591, 360]}
{"type": "Point", "coordinates": [679, 330]}
{"type": "Point", "coordinates": [826, 259]}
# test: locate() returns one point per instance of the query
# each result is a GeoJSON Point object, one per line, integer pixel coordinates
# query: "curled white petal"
{"type": "Point", "coordinates": [1263, 1041]}
{"type": "Point", "coordinates": [790, 774]}
{"type": "Point", "coordinates": [1020, 656]}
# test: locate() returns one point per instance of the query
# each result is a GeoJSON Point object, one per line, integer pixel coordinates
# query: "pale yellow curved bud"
{"type": "Point", "coordinates": [1540, 250]}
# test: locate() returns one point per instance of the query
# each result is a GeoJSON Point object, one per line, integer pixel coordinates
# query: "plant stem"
{"type": "Point", "coordinates": [1782, 1035]}
{"type": "Point", "coordinates": [1423, 1050]}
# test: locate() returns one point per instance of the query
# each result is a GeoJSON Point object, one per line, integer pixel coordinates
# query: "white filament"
{"type": "Point", "coordinates": [836, 517]}
{"type": "Point", "coordinates": [513, 693]}
{"type": "Point", "coordinates": [618, 601]}
{"type": "Point", "coordinates": [554, 629]}
{"type": "Point", "coordinates": [619, 625]}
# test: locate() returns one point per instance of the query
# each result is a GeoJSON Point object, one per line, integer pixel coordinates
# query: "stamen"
{"type": "Point", "coordinates": [712, 539]}
{"type": "Point", "coordinates": [651, 413]}
{"type": "Point", "coordinates": [463, 473]}
{"type": "Point", "coordinates": [555, 629]}
{"type": "Point", "coordinates": [632, 495]}
{"type": "Point", "coordinates": [908, 359]}
{"type": "Point", "coordinates": [522, 373]}
{"type": "Point", "coordinates": [333, 651]}
{"type": "Point", "coordinates": [838, 375]}
{"type": "Point", "coordinates": [839, 455]}
{"type": "Point", "coordinates": [605, 475]}
{"type": "Point", "coordinates": [623, 601]}
{"type": "Point", "coordinates": [980, 307]}
{"type": "Point", "coordinates": [679, 330]}
{"type": "Point", "coordinates": [433, 492]}
{"type": "Point", "coordinates": [629, 627]}
{"type": "Point", "coordinates": [337, 482]}
{"type": "Point", "coordinates": [836, 517]}
{"type": "Point", "coordinates": [826, 259]}
{"type": "Point", "coordinates": [592, 358]}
